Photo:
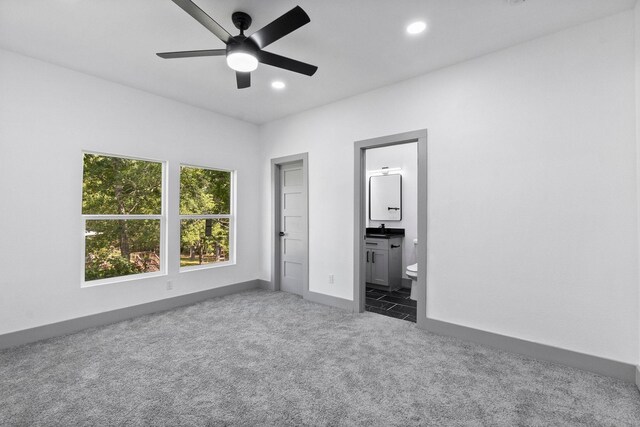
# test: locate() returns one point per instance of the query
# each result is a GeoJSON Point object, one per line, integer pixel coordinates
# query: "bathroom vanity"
{"type": "Point", "coordinates": [383, 257]}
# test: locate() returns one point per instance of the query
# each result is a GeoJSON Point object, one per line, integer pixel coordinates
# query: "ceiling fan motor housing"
{"type": "Point", "coordinates": [241, 20]}
{"type": "Point", "coordinates": [242, 44]}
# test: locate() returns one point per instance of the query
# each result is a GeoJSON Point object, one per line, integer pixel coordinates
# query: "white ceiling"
{"type": "Point", "coordinates": [358, 45]}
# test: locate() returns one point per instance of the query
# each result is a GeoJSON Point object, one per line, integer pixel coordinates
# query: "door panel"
{"type": "Point", "coordinates": [379, 263]}
{"type": "Point", "coordinates": [293, 270]}
{"type": "Point", "coordinates": [293, 248]}
{"type": "Point", "coordinates": [292, 177]}
{"type": "Point", "coordinates": [292, 225]}
{"type": "Point", "coordinates": [293, 200]}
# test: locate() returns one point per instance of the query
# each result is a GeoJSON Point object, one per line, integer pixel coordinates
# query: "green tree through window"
{"type": "Point", "coordinates": [122, 215]}
{"type": "Point", "coordinates": [205, 216]}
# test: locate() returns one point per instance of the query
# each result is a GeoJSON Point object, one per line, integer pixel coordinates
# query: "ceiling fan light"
{"type": "Point", "coordinates": [416, 27]}
{"type": "Point", "coordinates": [241, 61]}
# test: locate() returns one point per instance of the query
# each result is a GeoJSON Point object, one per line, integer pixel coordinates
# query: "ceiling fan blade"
{"type": "Point", "coordinates": [243, 80]}
{"type": "Point", "coordinates": [200, 16]}
{"type": "Point", "coordinates": [280, 27]}
{"type": "Point", "coordinates": [286, 63]}
{"type": "Point", "coordinates": [192, 53]}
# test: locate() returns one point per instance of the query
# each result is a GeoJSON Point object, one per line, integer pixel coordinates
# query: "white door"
{"type": "Point", "coordinates": [292, 227]}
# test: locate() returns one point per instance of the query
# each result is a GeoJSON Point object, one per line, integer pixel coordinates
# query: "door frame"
{"type": "Point", "coordinates": [276, 163]}
{"type": "Point", "coordinates": [360, 211]}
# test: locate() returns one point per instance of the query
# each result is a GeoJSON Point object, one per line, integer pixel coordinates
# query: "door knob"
{"type": "Point", "coordinates": [281, 234]}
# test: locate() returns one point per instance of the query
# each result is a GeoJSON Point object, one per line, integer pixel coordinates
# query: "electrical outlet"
{"type": "Point", "coordinates": [169, 285]}
{"type": "Point", "coordinates": [331, 279]}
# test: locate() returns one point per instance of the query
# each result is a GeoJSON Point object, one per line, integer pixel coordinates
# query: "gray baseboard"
{"type": "Point", "coordinates": [66, 327]}
{"type": "Point", "coordinates": [316, 297]}
{"type": "Point", "coordinates": [265, 284]}
{"type": "Point", "coordinates": [323, 299]}
{"type": "Point", "coordinates": [638, 377]}
{"type": "Point", "coordinates": [599, 365]}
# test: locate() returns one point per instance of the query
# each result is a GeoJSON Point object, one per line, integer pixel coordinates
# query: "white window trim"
{"type": "Point", "coordinates": [163, 227]}
{"type": "Point", "coordinates": [231, 217]}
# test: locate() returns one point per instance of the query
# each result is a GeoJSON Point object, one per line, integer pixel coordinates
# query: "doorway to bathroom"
{"type": "Point", "coordinates": [390, 226]}
{"type": "Point", "coordinates": [290, 242]}
{"type": "Point", "coordinates": [391, 230]}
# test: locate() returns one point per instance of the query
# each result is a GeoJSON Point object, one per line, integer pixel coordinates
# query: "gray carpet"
{"type": "Point", "coordinates": [270, 358]}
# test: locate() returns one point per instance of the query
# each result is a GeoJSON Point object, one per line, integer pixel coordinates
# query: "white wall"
{"type": "Point", "coordinates": [532, 187]}
{"type": "Point", "coordinates": [403, 156]}
{"type": "Point", "coordinates": [48, 115]}
{"type": "Point", "coordinates": [637, 44]}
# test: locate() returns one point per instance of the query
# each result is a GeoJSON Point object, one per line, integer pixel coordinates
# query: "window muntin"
{"type": "Point", "coordinates": [206, 217]}
{"type": "Point", "coordinates": [123, 218]}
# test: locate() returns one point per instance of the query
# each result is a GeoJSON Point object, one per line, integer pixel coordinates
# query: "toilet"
{"type": "Point", "coordinates": [412, 273]}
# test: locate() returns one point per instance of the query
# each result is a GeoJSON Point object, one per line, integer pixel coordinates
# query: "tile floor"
{"type": "Point", "coordinates": [393, 304]}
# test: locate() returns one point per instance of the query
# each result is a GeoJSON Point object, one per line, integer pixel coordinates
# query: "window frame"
{"type": "Point", "coordinates": [92, 217]}
{"type": "Point", "coordinates": [231, 216]}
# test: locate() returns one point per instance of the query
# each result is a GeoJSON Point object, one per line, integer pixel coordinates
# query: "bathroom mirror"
{"type": "Point", "coordinates": [385, 198]}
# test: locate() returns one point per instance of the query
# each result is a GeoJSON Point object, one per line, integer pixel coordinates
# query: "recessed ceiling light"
{"type": "Point", "coordinates": [278, 84]}
{"type": "Point", "coordinates": [416, 27]}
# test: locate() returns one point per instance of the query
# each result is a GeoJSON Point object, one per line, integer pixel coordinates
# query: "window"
{"type": "Point", "coordinates": [206, 217]}
{"type": "Point", "coordinates": [122, 216]}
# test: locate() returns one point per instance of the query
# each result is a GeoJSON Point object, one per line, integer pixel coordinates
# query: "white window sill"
{"type": "Point", "coordinates": [129, 278]}
{"type": "Point", "coordinates": [206, 266]}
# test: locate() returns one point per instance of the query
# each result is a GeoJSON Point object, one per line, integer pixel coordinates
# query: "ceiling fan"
{"type": "Point", "coordinates": [244, 53]}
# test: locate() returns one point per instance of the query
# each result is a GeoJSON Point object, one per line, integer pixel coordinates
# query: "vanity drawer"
{"type": "Point", "coordinates": [372, 243]}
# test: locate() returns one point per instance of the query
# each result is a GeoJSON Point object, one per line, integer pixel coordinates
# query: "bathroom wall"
{"type": "Point", "coordinates": [532, 206]}
{"type": "Point", "coordinates": [637, 56]}
{"type": "Point", "coordinates": [404, 156]}
{"type": "Point", "coordinates": [48, 115]}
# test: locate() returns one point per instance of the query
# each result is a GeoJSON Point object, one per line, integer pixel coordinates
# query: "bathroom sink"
{"type": "Point", "coordinates": [386, 233]}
